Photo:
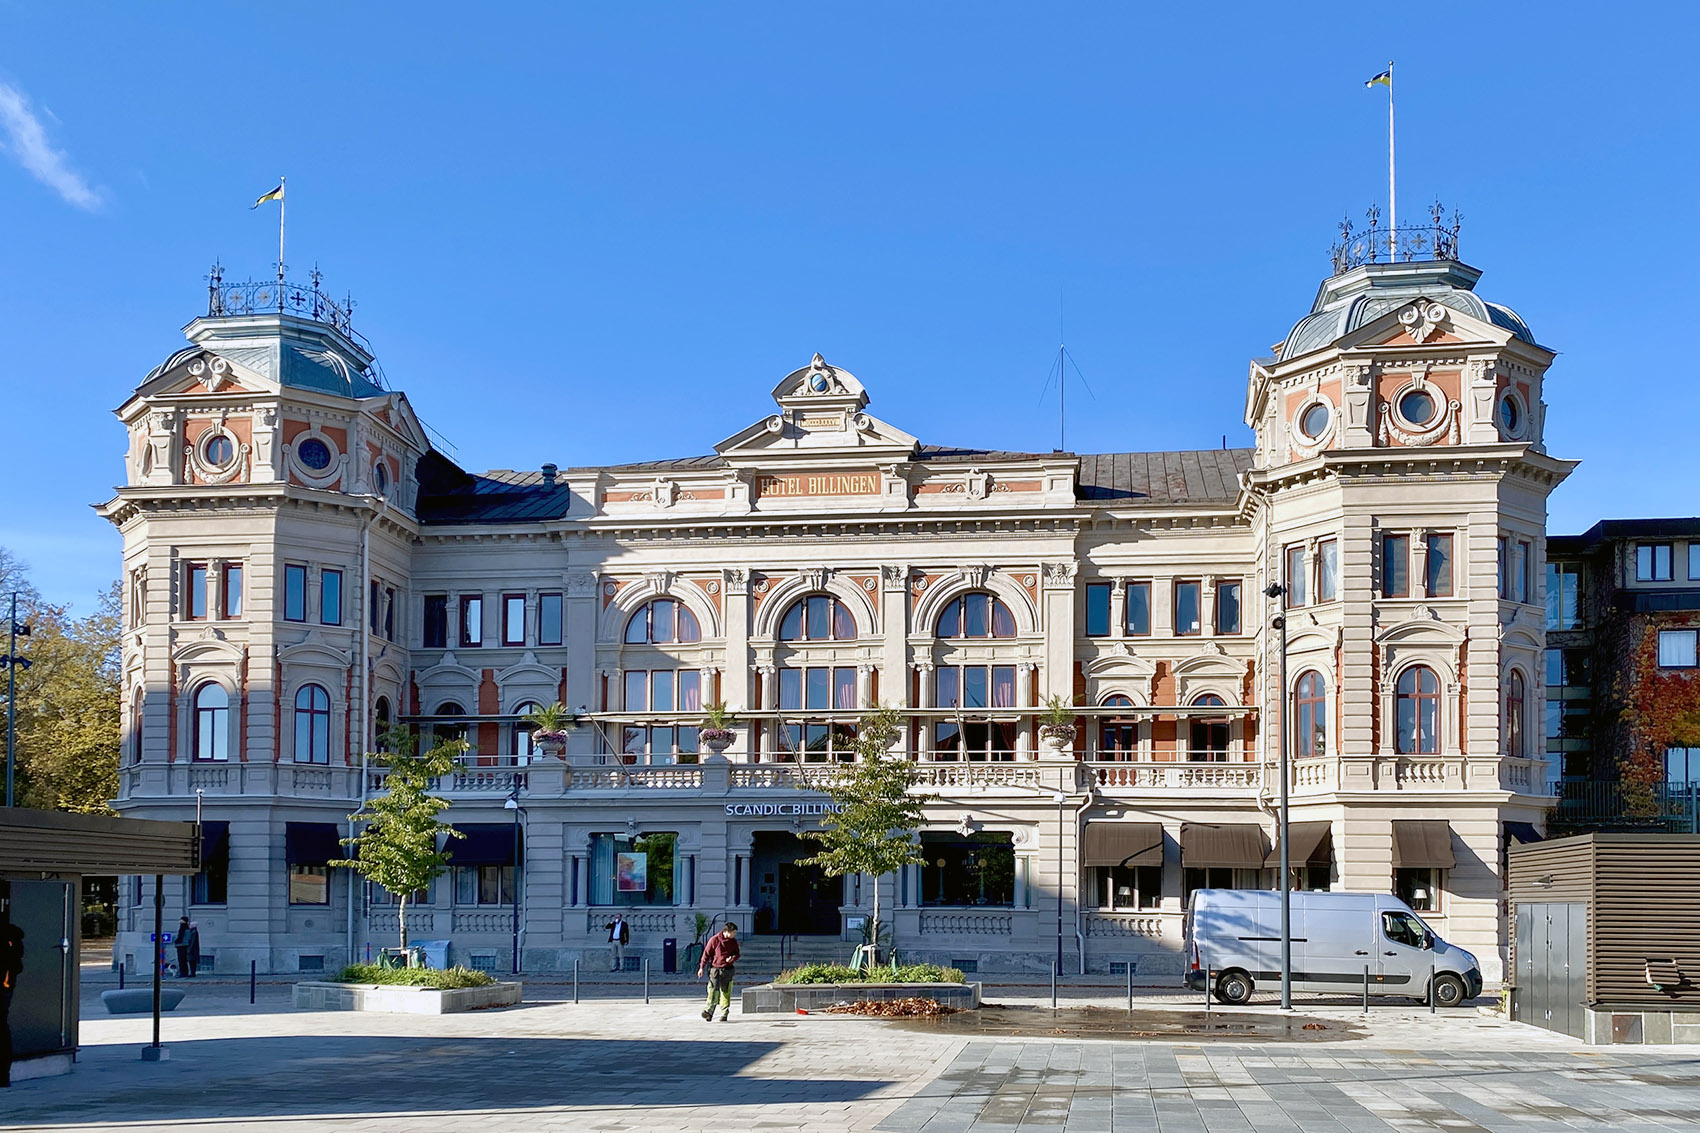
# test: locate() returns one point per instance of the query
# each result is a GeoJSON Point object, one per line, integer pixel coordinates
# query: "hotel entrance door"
{"type": "Point", "coordinates": [793, 898]}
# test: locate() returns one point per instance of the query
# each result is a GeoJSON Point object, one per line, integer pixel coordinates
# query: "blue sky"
{"type": "Point", "coordinates": [598, 233]}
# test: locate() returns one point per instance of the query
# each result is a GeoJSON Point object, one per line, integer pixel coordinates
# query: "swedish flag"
{"type": "Point", "coordinates": [275, 195]}
{"type": "Point", "coordinates": [1384, 79]}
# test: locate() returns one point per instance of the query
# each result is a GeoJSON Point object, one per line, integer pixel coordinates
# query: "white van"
{"type": "Point", "coordinates": [1236, 935]}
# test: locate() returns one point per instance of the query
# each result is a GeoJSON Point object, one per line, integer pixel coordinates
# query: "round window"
{"type": "Point", "coordinates": [817, 382]}
{"type": "Point", "coordinates": [314, 453]}
{"type": "Point", "coordinates": [1417, 407]}
{"type": "Point", "coordinates": [1313, 422]}
{"type": "Point", "coordinates": [1510, 417]}
{"type": "Point", "coordinates": [380, 478]}
{"type": "Point", "coordinates": [219, 450]}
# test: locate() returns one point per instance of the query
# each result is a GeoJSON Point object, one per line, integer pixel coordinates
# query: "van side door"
{"type": "Point", "coordinates": [1402, 961]}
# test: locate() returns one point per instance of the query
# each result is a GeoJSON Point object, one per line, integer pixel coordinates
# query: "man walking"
{"type": "Point", "coordinates": [721, 959]}
{"type": "Point", "coordinates": [619, 935]}
{"type": "Point", "coordinates": [11, 967]}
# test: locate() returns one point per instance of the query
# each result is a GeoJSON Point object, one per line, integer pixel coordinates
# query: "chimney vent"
{"type": "Point", "coordinates": [549, 471]}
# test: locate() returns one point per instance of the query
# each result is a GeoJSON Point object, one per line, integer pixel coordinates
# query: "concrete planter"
{"type": "Point", "coordinates": [788, 998]}
{"type": "Point", "coordinates": [328, 996]}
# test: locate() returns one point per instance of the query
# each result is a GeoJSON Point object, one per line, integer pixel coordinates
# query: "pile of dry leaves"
{"type": "Point", "coordinates": [893, 1008]}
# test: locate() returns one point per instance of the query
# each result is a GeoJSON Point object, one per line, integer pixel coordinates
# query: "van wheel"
{"type": "Point", "coordinates": [1448, 991]}
{"type": "Point", "coordinates": [1233, 988]}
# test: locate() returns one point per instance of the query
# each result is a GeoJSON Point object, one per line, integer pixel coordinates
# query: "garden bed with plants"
{"type": "Point", "coordinates": [820, 987]}
{"type": "Point", "coordinates": [411, 991]}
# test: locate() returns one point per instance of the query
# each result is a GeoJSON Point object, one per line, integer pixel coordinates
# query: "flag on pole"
{"type": "Point", "coordinates": [1384, 79]}
{"type": "Point", "coordinates": [275, 195]}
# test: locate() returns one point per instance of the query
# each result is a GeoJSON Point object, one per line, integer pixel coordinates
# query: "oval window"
{"type": "Point", "coordinates": [1314, 421]}
{"type": "Point", "coordinates": [1510, 417]}
{"type": "Point", "coordinates": [314, 453]}
{"type": "Point", "coordinates": [219, 450]}
{"type": "Point", "coordinates": [380, 478]}
{"type": "Point", "coordinates": [1417, 407]}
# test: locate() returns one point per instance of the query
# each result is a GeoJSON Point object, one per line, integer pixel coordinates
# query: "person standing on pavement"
{"type": "Point", "coordinates": [191, 939]}
{"type": "Point", "coordinates": [619, 935]}
{"type": "Point", "coordinates": [183, 969]}
{"type": "Point", "coordinates": [11, 967]}
{"type": "Point", "coordinates": [721, 959]}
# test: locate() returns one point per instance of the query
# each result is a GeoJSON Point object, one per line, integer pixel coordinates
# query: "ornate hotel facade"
{"type": "Point", "coordinates": [304, 569]}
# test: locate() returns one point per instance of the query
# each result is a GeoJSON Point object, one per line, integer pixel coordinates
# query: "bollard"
{"type": "Point", "coordinates": [1366, 989]}
{"type": "Point", "coordinates": [120, 975]}
{"type": "Point", "coordinates": [1431, 1008]}
{"type": "Point", "coordinates": [253, 974]}
{"type": "Point", "coordinates": [1130, 987]}
{"type": "Point", "coordinates": [575, 981]}
{"type": "Point", "coordinates": [1053, 985]}
{"type": "Point", "coordinates": [1207, 990]}
{"type": "Point", "coordinates": [646, 980]}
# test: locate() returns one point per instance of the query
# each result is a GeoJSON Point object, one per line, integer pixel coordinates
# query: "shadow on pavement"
{"type": "Point", "coordinates": [348, 1075]}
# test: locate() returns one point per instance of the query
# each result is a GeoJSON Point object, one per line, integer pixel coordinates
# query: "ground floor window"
{"type": "Point", "coordinates": [309, 884]}
{"type": "Point", "coordinates": [484, 885]}
{"type": "Point", "coordinates": [1418, 888]}
{"type": "Point", "coordinates": [212, 885]}
{"type": "Point", "coordinates": [975, 870]}
{"type": "Point", "coordinates": [1315, 878]}
{"type": "Point", "coordinates": [1128, 887]}
{"type": "Point", "coordinates": [1217, 877]}
{"type": "Point", "coordinates": [630, 869]}
{"type": "Point", "coordinates": [378, 895]}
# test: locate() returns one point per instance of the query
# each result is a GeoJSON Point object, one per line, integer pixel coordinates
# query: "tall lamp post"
{"type": "Point", "coordinates": [1275, 592]}
{"type": "Point", "coordinates": [512, 804]}
{"type": "Point", "coordinates": [13, 662]}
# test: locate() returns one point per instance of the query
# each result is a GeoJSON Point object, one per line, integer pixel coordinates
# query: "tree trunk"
{"type": "Point", "coordinates": [875, 937]}
{"type": "Point", "coordinates": [401, 918]}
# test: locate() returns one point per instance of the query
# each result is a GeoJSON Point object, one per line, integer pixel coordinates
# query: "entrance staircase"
{"type": "Point", "coordinates": [763, 957]}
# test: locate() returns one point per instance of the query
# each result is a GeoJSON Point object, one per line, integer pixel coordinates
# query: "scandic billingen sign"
{"type": "Point", "coordinates": [820, 484]}
{"type": "Point", "coordinates": [781, 810]}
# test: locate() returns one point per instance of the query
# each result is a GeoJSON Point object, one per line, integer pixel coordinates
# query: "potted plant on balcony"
{"type": "Point", "coordinates": [1056, 726]}
{"type": "Point", "coordinates": [551, 724]}
{"type": "Point", "coordinates": [715, 732]}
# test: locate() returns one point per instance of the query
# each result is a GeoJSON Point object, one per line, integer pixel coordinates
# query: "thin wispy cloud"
{"type": "Point", "coordinates": [24, 137]}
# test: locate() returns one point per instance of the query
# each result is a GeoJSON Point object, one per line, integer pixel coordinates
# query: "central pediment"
{"type": "Point", "coordinates": [821, 414]}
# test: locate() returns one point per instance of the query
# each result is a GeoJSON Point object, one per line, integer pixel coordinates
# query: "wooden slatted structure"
{"type": "Point", "coordinates": [53, 842]}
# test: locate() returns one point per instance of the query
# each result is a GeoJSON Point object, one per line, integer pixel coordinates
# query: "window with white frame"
{"type": "Point", "coordinates": [1677, 649]}
{"type": "Point", "coordinates": [212, 722]}
{"type": "Point", "coordinates": [1653, 562]}
{"type": "Point", "coordinates": [312, 725]}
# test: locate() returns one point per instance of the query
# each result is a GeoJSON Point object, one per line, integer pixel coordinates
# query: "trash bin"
{"type": "Point", "coordinates": [670, 954]}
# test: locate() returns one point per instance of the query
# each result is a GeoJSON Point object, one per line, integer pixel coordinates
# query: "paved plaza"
{"type": "Point", "coordinates": [613, 1062]}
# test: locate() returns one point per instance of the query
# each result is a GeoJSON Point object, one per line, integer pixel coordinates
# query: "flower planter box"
{"type": "Point", "coordinates": [789, 998]}
{"type": "Point", "coordinates": [326, 996]}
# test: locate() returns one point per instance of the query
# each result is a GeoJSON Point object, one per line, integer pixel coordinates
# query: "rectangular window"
{"type": "Point", "coordinates": [484, 885]}
{"type": "Point", "coordinates": [1187, 595]}
{"type": "Point", "coordinates": [230, 586]}
{"type": "Point", "coordinates": [1652, 562]}
{"type": "Point", "coordinates": [548, 619]}
{"type": "Point", "coordinates": [978, 870]}
{"type": "Point", "coordinates": [1295, 577]}
{"type": "Point", "coordinates": [1126, 888]}
{"type": "Point", "coordinates": [1395, 566]}
{"type": "Point", "coordinates": [1504, 568]}
{"type": "Point", "coordinates": [372, 611]}
{"type": "Point", "coordinates": [330, 597]}
{"type": "Point", "coordinates": [471, 620]}
{"type": "Point", "coordinates": [1677, 649]}
{"type": "Point", "coordinates": [1418, 888]}
{"type": "Point", "coordinates": [1439, 581]}
{"type": "Point", "coordinates": [1097, 609]}
{"type": "Point", "coordinates": [1138, 613]}
{"type": "Point", "coordinates": [1564, 593]}
{"type": "Point", "coordinates": [389, 613]}
{"type": "Point", "coordinates": [195, 593]}
{"type": "Point", "coordinates": [1694, 562]}
{"type": "Point", "coordinates": [309, 884]}
{"type": "Point", "coordinates": [513, 619]}
{"type": "Point", "coordinates": [212, 885]}
{"type": "Point", "coordinates": [434, 634]}
{"type": "Point", "coordinates": [637, 691]}
{"type": "Point", "coordinates": [294, 592]}
{"type": "Point", "coordinates": [1214, 877]}
{"type": "Point", "coordinates": [1227, 607]}
{"type": "Point", "coordinates": [1522, 557]}
{"type": "Point", "coordinates": [1327, 570]}
{"type": "Point", "coordinates": [641, 870]}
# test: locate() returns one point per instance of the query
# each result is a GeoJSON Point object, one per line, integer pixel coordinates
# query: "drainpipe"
{"type": "Point", "coordinates": [1079, 933]}
{"type": "Point", "coordinates": [363, 627]}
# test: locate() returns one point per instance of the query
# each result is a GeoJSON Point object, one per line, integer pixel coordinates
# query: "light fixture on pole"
{"type": "Point", "coordinates": [13, 662]}
{"type": "Point", "coordinates": [1275, 591]}
{"type": "Point", "coordinates": [512, 803]}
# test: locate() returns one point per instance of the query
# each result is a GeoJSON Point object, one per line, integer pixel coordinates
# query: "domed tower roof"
{"type": "Point", "coordinates": [1359, 296]}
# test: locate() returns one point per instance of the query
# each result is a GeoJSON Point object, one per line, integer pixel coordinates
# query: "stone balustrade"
{"type": "Point", "coordinates": [955, 922]}
{"type": "Point", "coordinates": [1144, 926]}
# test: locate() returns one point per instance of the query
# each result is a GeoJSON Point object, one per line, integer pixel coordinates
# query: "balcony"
{"type": "Point", "coordinates": [1658, 808]}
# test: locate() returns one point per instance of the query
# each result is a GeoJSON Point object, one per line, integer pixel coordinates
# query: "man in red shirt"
{"type": "Point", "coordinates": [720, 958]}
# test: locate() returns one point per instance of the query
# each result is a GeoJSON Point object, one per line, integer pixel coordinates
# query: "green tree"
{"type": "Point", "coordinates": [397, 845]}
{"type": "Point", "coordinates": [874, 832]}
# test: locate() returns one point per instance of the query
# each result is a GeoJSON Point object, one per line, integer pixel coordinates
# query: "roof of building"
{"type": "Point", "coordinates": [1204, 476]}
{"type": "Point", "coordinates": [1610, 530]}
{"type": "Point", "coordinates": [1367, 292]}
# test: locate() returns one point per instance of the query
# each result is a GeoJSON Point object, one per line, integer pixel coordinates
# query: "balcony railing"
{"type": "Point", "coordinates": [1436, 240]}
{"type": "Point", "coordinates": [1671, 808]}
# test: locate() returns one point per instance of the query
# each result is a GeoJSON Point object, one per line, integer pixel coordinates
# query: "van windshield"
{"type": "Point", "coordinates": [1405, 928]}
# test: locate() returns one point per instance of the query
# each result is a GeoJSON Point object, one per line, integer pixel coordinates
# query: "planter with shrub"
{"type": "Point", "coordinates": [412, 991]}
{"type": "Point", "coordinates": [816, 987]}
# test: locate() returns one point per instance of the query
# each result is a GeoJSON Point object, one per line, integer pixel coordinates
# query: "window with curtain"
{"type": "Point", "coordinates": [1516, 709]}
{"type": "Point", "coordinates": [976, 615]}
{"type": "Point", "coordinates": [627, 870]}
{"type": "Point", "coordinates": [1209, 735]}
{"type": "Point", "coordinates": [1118, 736]}
{"type": "Point", "coordinates": [1327, 570]}
{"type": "Point", "coordinates": [520, 743]}
{"type": "Point", "coordinates": [212, 722]}
{"type": "Point", "coordinates": [817, 689]}
{"type": "Point", "coordinates": [1310, 715]}
{"type": "Point", "coordinates": [312, 725]}
{"type": "Point", "coordinates": [818, 617]}
{"type": "Point", "coordinates": [1417, 712]}
{"type": "Point", "coordinates": [656, 691]}
{"type": "Point", "coordinates": [975, 689]}
{"type": "Point", "coordinates": [1137, 616]}
{"type": "Point", "coordinates": [663, 621]}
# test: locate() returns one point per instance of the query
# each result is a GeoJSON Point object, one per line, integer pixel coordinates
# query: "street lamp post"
{"type": "Point", "coordinates": [512, 804]}
{"type": "Point", "coordinates": [1275, 592]}
{"type": "Point", "coordinates": [13, 661]}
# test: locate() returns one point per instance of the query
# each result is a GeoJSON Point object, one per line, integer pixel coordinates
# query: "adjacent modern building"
{"type": "Point", "coordinates": [305, 568]}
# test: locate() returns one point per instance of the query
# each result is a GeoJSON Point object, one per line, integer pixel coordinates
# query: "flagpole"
{"type": "Point", "coordinates": [1392, 197]}
{"type": "Point", "coordinates": [282, 203]}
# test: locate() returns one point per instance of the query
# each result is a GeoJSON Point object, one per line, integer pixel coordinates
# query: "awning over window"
{"type": "Point", "coordinates": [1422, 843]}
{"type": "Point", "coordinates": [1523, 832]}
{"type": "Point", "coordinates": [312, 843]}
{"type": "Point", "coordinates": [486, 843]}
{"type": "Point", "coordinates": [1240, 845]}
{"type": "Point", "coordinates": [215, 841]}
{"type": "Point", "coordinates": [1123, 844]}
{"type": "Point", "coordinates": [1312, 844]}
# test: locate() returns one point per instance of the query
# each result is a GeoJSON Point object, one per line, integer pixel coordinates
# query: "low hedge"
{"type": "Point", "coordinates": [442, 979]}
{"type": "Point", "coordinates": [894, 974]}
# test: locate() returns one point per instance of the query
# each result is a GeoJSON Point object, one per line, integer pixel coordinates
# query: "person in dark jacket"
{"type": "Point", "coordinates": [184, 971]}
{"type": "Point", "coordinates": [721, 959]}
{"type": "Point", "coordinates": [619, 935]}
{"type": "Point", "coordinates": [11, 967]}
{"type": "Point", "coordinates": [192, 942]}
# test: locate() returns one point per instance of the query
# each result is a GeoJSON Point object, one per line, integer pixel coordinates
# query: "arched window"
{"type": "Point", "coordinates": [1310, 715]}
{"type": "Point", "coordinates": [450, 730]}
{"type": "Point", "coordinates": [819, 617]}
{"type": "Point", "coordinates": [521, 746]}
{"type": "Point", "coordinates": [1515, 707]}
{"type": "Point", "coordinates": [976, 615]}
{"type": "Point", "coordinates": [1118, 736]}
{"type": "Point", "coordinates": [138, 702]}
{"type": "Point", "coordinates": [312, 725]}
{"type": "Point", "coordinates": [381, 723]}
{"type": "Point", "coordinates": [1417, 712]}
{"type": "Point", "coordinates": [663, 622]}
{"type": "Point", "coordinates": [212, 722]}
{"type": "Point", "coordinates": [1208, 734]}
